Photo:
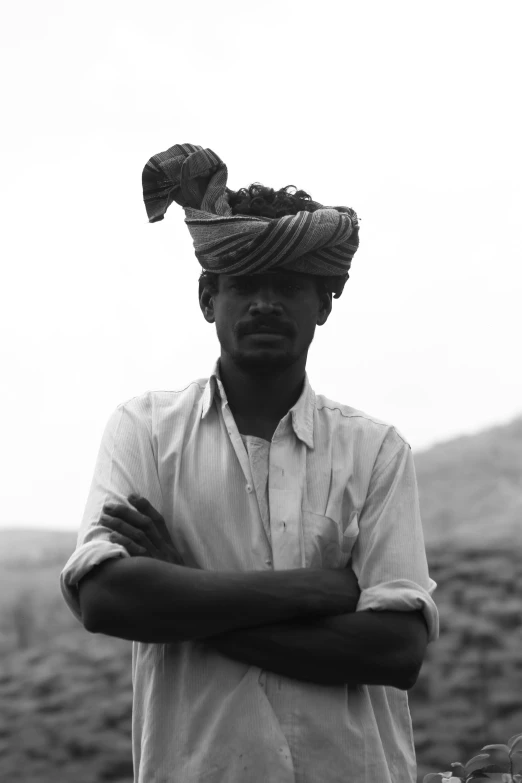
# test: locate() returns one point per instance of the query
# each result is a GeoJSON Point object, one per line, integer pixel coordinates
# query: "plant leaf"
{"type": "Point", "coordinates": [457, 764]}
{"type": "Point", "coordinates": [480, 757]}
{"type": "Point", "coordinates": [514, 739]}
{"type": "Point", "coordinates": [432, 776]}
{"type": "Point", "coordinates": [496, 747]}
{"type": "Point", "coordinates": [495, 768]}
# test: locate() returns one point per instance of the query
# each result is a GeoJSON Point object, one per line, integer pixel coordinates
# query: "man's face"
{"type": "Point", "coordinates": [266, 322]}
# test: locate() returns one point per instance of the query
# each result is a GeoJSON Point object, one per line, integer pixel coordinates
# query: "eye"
{"type": "Point", "coordinates": [242, 285]}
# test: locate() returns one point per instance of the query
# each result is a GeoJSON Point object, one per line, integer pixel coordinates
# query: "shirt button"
{"type": "Point", "coordinates": [249, 487]}
{"type": "Point", "coordinates": [268, 562]}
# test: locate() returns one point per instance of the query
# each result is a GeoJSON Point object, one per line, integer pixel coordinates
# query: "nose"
{"type": "Point", "coordinates": [265, 301]}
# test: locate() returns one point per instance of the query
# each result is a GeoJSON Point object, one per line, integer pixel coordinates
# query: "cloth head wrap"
{"type": "Point", "coordinates": [321, 243]}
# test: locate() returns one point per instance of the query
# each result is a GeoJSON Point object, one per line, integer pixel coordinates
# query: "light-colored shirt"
{"type": "Point", "coordinates": [333, 485]}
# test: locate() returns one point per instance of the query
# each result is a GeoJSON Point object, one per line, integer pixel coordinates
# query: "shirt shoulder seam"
{"type": "Point", "coordinates": [367, 418]}
{"type": "Point", "coordinates": [159, 391]}
{"type": "Point", "coordinates": [395, 452]}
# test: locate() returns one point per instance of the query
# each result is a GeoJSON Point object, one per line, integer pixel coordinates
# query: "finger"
{"type": "Point", "coordinates": [130, 531]}
{"type": "Point", "coordinates": [146, 507]}
{"type": "Point", "coordinates": [131, 546]}
{"type": "Point", "coordinates": [143, 505]}
{"type": "Point", "coordinates": [136, 519]}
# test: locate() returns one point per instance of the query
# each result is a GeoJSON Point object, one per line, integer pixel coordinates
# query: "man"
{"type": "Point", "coordinates": [271, 571]}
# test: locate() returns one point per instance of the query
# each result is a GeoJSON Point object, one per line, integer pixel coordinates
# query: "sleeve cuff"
{"type": "Point", "coordinates": [402, 595]}
{"type": "Point", "coordinates": [80, 563]}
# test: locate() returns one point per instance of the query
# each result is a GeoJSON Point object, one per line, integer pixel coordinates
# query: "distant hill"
{"type": "Point", "coordinates": [470, 494]}
{"type": "Point", "coordinates": [471, 488]}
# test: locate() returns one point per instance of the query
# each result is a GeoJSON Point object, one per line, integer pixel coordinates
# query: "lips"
{"type": "Point", "coordinates": [273, 335]}
{"type": "Point", "coordinates": [264, 328]}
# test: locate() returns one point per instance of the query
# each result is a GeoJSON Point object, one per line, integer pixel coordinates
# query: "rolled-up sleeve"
{"type": "Point", "coordinates": [389, 557]}
{"type": "Point", "coordinates": [125, 465]}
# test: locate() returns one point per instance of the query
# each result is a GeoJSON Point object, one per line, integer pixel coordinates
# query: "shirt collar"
{"type": "Point", "coordinates": [301, 414]}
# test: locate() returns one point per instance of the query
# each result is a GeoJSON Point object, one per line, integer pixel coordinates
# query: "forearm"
{"type": "Point", "coordinates": [141, 599]}
{"type": "Point", "coordinates": [356, 648]}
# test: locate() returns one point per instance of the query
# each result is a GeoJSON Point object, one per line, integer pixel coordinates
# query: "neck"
{"type": "Point", "coordinates": [261, 398]}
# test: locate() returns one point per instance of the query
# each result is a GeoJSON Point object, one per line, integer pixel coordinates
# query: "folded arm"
{"type": "Point", "coordinates": [302, 623]}
{"type": "Point", "coordinates": [147, 600]}
{"type": "Point", "coordinates": [384, 642]}
{"type": "Point", "coordinates": [371, 648]}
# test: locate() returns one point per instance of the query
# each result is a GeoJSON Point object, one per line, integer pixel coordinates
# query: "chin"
{"type": "Point", "coordinates": [263, 362]}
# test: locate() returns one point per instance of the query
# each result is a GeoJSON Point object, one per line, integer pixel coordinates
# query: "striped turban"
{"type": "Point", "coordinates": [321, 242]}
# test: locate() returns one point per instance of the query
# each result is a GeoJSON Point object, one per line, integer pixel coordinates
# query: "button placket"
{"type": "Point", "coordinates": [237, 443]}
{"type": "Point", "coordinates": [286, 482]}
{"type": "Point", "coordinates": [242, 455]}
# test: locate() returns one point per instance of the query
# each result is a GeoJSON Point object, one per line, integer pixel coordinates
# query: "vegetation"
{"type": "Point", "coordinates": [470, 686]}
{"type": "Point", "coordinates": [476, 769]}
{"type": "Point", "coordinates": [66, 695]}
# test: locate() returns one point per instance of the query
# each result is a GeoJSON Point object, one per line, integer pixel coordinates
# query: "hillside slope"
{"type": "Point", "coordinates": [471, 488]}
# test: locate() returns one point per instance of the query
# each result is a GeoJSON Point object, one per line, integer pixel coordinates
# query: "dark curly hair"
{"type": "Point", "coordinates": [263, 201]}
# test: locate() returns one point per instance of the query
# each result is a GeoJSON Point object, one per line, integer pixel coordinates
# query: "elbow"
{"type": "Point", "coordinates": [406, 682]}
{"type": "Point", "coordinates": [408, 672]}
{"type": "Point", "coordinates": [90, 620]}
{"type": "Point", "coordinates": [93, 597]}
{"type": "Point", "coordinates": [89, 606]}
{"type": "Point", "coordinates": [411, 657]}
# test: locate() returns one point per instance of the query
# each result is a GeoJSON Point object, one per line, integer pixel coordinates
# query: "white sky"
{"type": "Point", "coordinates": [408, 112]}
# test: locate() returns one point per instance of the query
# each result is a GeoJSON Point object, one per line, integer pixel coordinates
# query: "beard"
{"type": "Point", "coordinates": [263, 363]}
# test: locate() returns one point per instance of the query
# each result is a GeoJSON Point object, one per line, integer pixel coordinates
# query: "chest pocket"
{"type": "Point", "coordinates": [326, 544]}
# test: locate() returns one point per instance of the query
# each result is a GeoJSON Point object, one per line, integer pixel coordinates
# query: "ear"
{"type": "Point", "coordinates": [206, 303]}
{"type": "Point", "coordinates": [325, 308]}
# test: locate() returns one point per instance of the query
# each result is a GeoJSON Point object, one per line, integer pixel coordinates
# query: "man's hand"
{"type": "Point", "coordinates": [353, 584]}
{"type": "Point", "coordinates": [141, 530]}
